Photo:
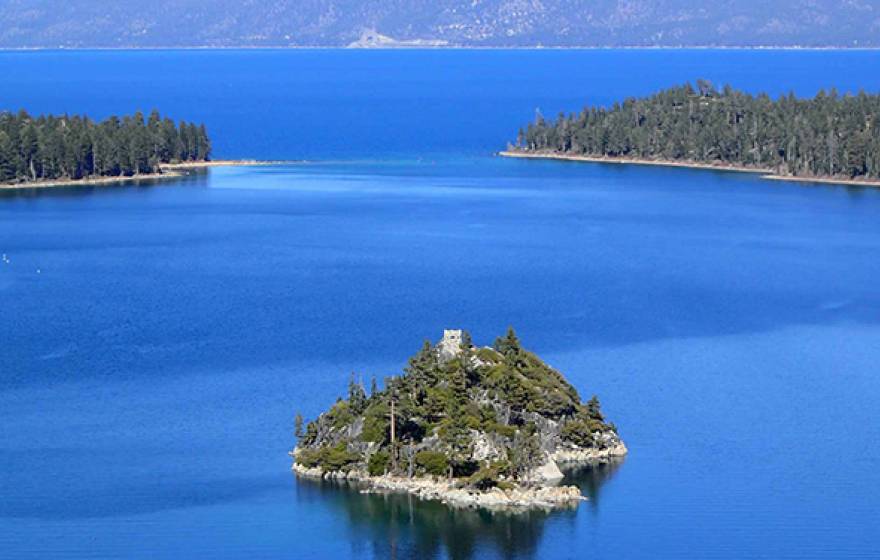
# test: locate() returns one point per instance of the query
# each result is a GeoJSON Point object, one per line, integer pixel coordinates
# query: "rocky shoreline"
{"type": "Point", "coordinates": [519, 497]}
{"type": "Point", "coordinates": [575, 457]}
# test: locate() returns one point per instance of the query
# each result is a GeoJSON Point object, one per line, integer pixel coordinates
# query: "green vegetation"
{"type": "Point", "coordinates": [75, 147]}
{"type": "Point", "coordinates": [432, 462]}
{"type": "Point", "coordinates": [379, 463]}
{"type": "Point", "coordinates": [831, 135]}
{"type": "Point", "coordinates": [484, 415]}
{"type": "Point", "coordinates": [335, 458]}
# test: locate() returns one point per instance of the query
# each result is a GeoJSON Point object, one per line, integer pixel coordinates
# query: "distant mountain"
{"type": "Point", "coordinates": [390, 23]}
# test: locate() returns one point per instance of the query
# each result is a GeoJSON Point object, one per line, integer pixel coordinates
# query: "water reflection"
{"type": "Point", "coordinates": [590, 479]}
{"type": "Point", "coordinates": [403, 526]}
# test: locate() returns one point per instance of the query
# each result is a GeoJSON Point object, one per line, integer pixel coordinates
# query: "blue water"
{"type": "Point", "coordinates": [157, 339]}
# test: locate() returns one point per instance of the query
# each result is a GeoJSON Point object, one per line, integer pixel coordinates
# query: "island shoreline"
{"type": "Point", "coordinates": [765, 173]}
{"type": "Point", "coordinates": [518, 499]}
{"type": "Point", "coordinates": [167, 171]}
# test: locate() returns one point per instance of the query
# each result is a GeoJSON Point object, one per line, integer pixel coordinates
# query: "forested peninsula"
{"type": "Point", "coordinates": [471, 426]}
{"type": "Point", "coordinates": [830, 137]}
{"type": "Point", "coordinates": [59, 149]}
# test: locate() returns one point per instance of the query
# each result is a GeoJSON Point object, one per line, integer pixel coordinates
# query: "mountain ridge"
{"type": "Point", "coordinates": [439, 23]}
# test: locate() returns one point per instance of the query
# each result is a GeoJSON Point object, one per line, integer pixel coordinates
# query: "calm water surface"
{"type": "Point", "coordinates": [157, 339]}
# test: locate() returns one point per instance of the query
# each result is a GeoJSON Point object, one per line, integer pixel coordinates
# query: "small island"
{"type": "Point", "coordinates": [470, 426]}
{"type": "Point", "coordinates": [48, 150]}
{"type": "Point", "coordinates": [830, 138]}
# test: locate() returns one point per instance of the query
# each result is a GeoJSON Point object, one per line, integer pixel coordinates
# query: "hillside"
{"type": "Point", "coordinates": [490, 23]}
{"type": "Point", "coordinates": [469, 419]}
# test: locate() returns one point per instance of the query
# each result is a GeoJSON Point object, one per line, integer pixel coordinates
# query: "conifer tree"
{"type": "Point", "coordinates": [828, 135]}
{"type": "Point", "coordinates": [73, 147]}
{"type": "Point", "coordinates": [298, 426]}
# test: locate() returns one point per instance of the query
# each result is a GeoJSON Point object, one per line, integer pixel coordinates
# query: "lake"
{"type": "Point", "coordinates": [158, 339]}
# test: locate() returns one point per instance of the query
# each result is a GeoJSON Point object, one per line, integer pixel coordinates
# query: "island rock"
{"type": "Point", "coordinates": [469, 426]}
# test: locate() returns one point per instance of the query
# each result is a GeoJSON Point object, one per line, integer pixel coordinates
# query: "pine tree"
{"type": "Point", "coordinates": [73, 147]}
{"type": "Point", "coordinates": [298, 426]}
{"type": "Point", "coordinates": [357, 398]}
{"type": "Point", "coordinates": [525, 454]}
{"type": "Point", "coordinates": [828, 135]}
{"type": "Point", "coordinates": [8, 156]}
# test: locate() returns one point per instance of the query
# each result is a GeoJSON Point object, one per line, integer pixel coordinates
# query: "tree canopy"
{"type": "Point", "coordinates": [75, 147]}
{"type": "Point", "coordinates": [830, 135]}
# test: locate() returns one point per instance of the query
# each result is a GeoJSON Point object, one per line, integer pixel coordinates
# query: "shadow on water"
{"type": "Point", "coordinates": [590, 479]}
{"type": "Point", "coordinates": [398, 525]}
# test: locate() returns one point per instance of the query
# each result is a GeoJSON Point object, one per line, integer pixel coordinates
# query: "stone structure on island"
{"type": "Point", "coordinates": [470, 426]}
{"type": "Point", "coordinates": [450, 345]}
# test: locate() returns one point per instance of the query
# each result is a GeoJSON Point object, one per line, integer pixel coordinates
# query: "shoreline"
{"type": "Point", "coordinates": [167, 171]}
{"type": "Point", "coordinates": [519, 498]}
{"type": "Point", "coordinates": [765, 173]}
{"type": "Point", "coordinates": [633, 161]}
{"type": "Point", "coordinates": [221, 163]}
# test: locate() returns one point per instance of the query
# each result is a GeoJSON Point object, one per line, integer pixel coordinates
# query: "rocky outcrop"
{"type": "Point", "coordinates": [578, 456]}
{"type": "Point", "coordinates": [547, 473]}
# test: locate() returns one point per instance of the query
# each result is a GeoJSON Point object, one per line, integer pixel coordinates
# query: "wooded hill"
{"type": "Point", "coordinates": [830, 135]}
{"type": "Point", "coordinates": [75, 147]}
{"type": "Point", "coordinates": [486, 414]}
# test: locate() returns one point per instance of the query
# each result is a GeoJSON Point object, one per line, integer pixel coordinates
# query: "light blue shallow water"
{"type": "Point", "coordinates": [150, 371]}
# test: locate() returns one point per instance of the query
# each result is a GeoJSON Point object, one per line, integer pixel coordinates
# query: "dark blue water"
{"type": "Point", "coordinates": [158, 339]}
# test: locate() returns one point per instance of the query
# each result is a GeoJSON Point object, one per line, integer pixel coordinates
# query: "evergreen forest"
{"type": "Point", "coordinates": [829, 135]}
{"type": "Point", "coordinates": [75, 147]}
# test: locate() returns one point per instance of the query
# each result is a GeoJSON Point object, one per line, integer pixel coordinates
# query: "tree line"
{"type": "Point", "coordinates": [829, 135]}
{"type": "Point", "coordinates": [76, 147]}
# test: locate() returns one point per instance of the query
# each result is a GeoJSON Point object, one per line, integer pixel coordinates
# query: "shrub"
{"type": "Point", "coordinates": [433, 462]}
{"type": "Point", "coordinates": [472, 422]}
{"type": "Point", "coordinates": [490, 476]}
{"type": "Point", "coordinates": [580, 431]}
{"type": "Point", "coordinates": [483, 479]}
{"type": "Point", "coordinates": [340, 415]}
{"type": "Point", "coordinates": [337, 458]}
{"type": "Point", "coordinates": [501, 429]}
{"type": "Point", "coordinates": [308, 458]}
{"type": "Point", "coordinates": [376, 424]}
{"type": "Point", "coordinates": [489, 355]}
{"type": "Point", "coordinates": [378, 463]}
{"type": "Point", "coordinates": [488, 414]}
{"type": "Point", "coordinates": [328, 458]}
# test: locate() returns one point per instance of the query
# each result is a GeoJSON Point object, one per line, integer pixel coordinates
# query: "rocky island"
{"type": "Point", "coordinates": [468, 425]}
